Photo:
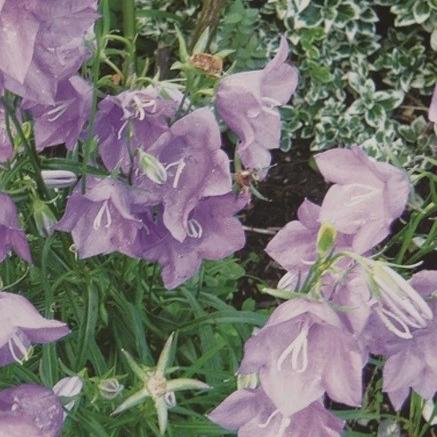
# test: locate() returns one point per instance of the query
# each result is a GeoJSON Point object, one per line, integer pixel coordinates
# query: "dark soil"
{"type": "Point", "coordinates": [287, 185]}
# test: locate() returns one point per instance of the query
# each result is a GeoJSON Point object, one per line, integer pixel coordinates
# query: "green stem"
{"type": "Point", "coordinates": [129, 31]}
{"type": "Point", "coordinates": [30, 149]}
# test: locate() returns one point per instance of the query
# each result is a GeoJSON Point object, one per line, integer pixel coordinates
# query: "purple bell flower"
{"type": "Point", "coordinates": [212, 233]}
{"type": "Point", "coordinates": [195, 167]}
{"type": "Point", "coordinates": [290, 354]}
{"type": "Point", "coordinates": [131, 120]}
{"type": "Point", "coordinates": [247, 102]}
{"type": "Point", "coordinates": [12, 236]}
{"type": "Point", "coordinates": [101, 220]}
{"type": "Point", "coordinates": [294, 247]}
{"type": "Point", "coordinates": [42, 43]}
{"type": "Point", "coordinates": [6, 150]}
{"type": "Point", "coordinates": [64, 121]}
{"type": "Point", "coordinates": [432, 112]}
{"type": "Point", "coordinates": [30, 410]}
{"type": "Point", "coordinates": [22, 325]}
{"type": "Point", "coordinates": [412, 363]}
{"type": "Point", "coordinates": [253, 414]}
{"type": "Point", "coordinates": [367, 196]}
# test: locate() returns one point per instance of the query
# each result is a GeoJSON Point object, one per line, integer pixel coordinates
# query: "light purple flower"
{"type": "Point", "coordinates": [213, 234]}
{"type": "Point", "coordinates": [63, 122]}
{"type": "Point", "coordinates": [412, 364]}
{"type": "Point", "coordinates": [131, 120]}
{"type": "Point", "coordinates": [6, 150]}
{"type": "Point", "coordinates": [41, 44]}
{"type": "Point", "coordinates": [30, 410]}
{"type": "Point", "coordinates": [367, 196]}
{"type": "Point", "coordinates": [195, 166]}
{"type": "Point", "coordinates": [248, 102]}
{"type": "Point", "coordinates": [294, 247]}
{"type": "Point", "coordinates": [22, 325]}
{"type": "Point", "coordinates": [101, 220]}
{"type": "Point", "coordinates": [301, 353]}
{"type": "Point", "coordinates": [253, 414]}
{"type": "Point", "coordinates": [12, 236]}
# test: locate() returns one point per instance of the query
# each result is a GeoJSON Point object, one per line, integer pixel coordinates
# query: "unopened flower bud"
{"type": "Point", "coordinates": [151, 167]}
{"type": "Point", "coordinates": [44, 218]}
{"type": "Point", "coordinates": [68, 389]}
{"type": "Point", "coordinates": [326, 239]}
{"type": "Point", "coordinates": [58, 178]}
{"type": "Point", "coordinates": [110, 388]}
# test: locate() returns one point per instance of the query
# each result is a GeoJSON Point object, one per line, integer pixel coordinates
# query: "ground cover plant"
{"type": "Point", "coordinates": [218, 218]}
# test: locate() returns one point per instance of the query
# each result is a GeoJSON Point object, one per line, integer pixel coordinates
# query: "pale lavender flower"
{"type": "Point", "coordinates": [248, 102]}
{"type": "Point", "coordinates": [6, 150]}
{"type": "Point", "coordinates": [294, 247]}
{"type": "Point", "coordinates": [63, 122]}
{"type": "Point", "coordinates": [212, 233]}
{"type": "Point", "coordinates": [301, 353]}
{"type": "Point", "coordinates": [367, 196]}
{"type": "Point", "coordinates": [412, 363]}
{"type": "Point", "coordinates": [12, 236]}
{"type": "Point", "coordinates": [68, 389]}
{"type": "Point", "coordinates": [42, 43]}
{"type": "Point", "coordinates": [253, 414]}
{"type": "Point", "coordinates": [195, 167]}
{"type": "Point", "coordinates": [30, 410]}
{"type": "Point", "coordinates": [22, 325]}
{"type": "Point", "coordinates": [131, 120]}
{"type": "Point", "coordinates": [101, 220]}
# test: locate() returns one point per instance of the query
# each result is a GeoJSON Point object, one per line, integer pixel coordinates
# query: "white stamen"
{"type": "Point", "coordinates": [122, 128]}
{"type": "Point", "coordinates": [385, 316]}
{"type": "Point", "coordinates": [57, 111]}
{"type": "Point", "coordinates": [288, 281]}
{"type": "Point", "coordinates": [180, 165]}
{"type": "Point", "coordinates": [298, 349]}
{"type": "Point", "coordinates": [99, 217]}
{"type": "Point", "coordinates": [285, 423]}
{"type": "Point", "coordinates": [269, 419]}
{"type": "Point", "coordinates": [16, 342]}
{"type": "Point", "coordinates": [139, 108]}
{"type": "Point", "coordinates": [195, 229]}
{"type": "Point", "coordinates": [170, 399]}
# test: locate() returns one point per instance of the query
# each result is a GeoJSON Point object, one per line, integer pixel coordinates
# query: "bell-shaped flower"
{"type": "Point", "coordinates": [412, 363]}
{"type": "Point", "coordinates": [49, 36]}
{"type": "Point", "coordinates": [63, 122]}
{"type": "Point", "coordinates": [12, 236]}
{"type": "Point", "coordinates": [248, 103]}
{"type": "Point", "coordinates": [131, 120]}
{"type": "Point", "coordinates": [367, 196]}
{"type": "Point", "coordinates": [22, 326]}
{"type": "Point", "coordinates": [294, 247]}
{"type": "Point", "coordinates": [101, 220]}
{"type": "Point", "coordinates": [301, 353]}
{"type": "Point", "coordinates": [6, 149]}
{"type": "Point", "coordinates": [30, 410]}
{"type": "Point", "coordinates": [212, 234]}
{"type": "Point", "coordinates": [253, 414]}
{"type": "Point", "coordinates": [196, 167]}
